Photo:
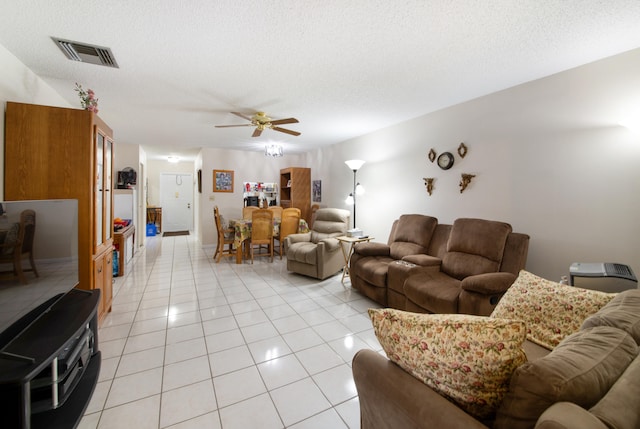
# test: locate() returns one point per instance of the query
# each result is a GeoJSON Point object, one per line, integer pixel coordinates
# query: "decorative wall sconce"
{"type": "Point", "coordinates": [462, 150]}
{"type": "Point", "coordinates": [432, 155]}
{"type": "Point", "coordinates": [466, 180]}
{"type": "Point", "coordinates": [428, 182]}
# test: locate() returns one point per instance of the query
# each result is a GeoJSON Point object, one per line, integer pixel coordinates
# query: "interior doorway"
{"type": "Point", "coordinates": [176, 200]}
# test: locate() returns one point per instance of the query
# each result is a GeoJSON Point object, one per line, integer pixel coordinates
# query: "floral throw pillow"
{"type": "Point", "coordinates": [551, 311]}
{"type": "Point", "coordinates": [467, 359]}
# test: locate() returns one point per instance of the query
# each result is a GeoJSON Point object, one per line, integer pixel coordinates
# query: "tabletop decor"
{"type": "Point", "coordinates": [88, 99]}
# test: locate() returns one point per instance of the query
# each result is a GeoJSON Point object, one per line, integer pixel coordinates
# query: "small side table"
{"type": "Point", "coordinates": [351, 243]}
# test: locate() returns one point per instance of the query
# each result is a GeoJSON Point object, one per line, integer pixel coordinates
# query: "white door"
{"type": "Point", "coordinates": [176, 199]}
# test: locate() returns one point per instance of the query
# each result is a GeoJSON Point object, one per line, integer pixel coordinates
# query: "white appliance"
{"type": "Point", "coordinates": [125, 204]}
{"type": "Point", "coordinates": [603, 276]}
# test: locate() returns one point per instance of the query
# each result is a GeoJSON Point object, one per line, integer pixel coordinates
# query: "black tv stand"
{"type": "Point", "coordinates": [49, 370]}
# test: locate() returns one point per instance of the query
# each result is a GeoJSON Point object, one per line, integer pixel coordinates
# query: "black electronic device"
{"type": "Point", "coordinates": [127, 178]}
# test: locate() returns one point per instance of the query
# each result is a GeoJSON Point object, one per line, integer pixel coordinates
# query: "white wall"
{"type": "Point", "coordinates": [549, 158]}
{"type": "Point", "coordinates": [20, 84]}
{"type": "Point", "coordinates": [247, 167]}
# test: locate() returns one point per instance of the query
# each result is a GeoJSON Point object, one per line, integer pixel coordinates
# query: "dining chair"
{"type": "Point", "coordinates": [277, 211]}
{"type": "Point", "coordinates": [288, 225]}
{"type": "Point", "coordinates": [246, 211]}
{"type": "Point", "coordinates": [261, 232]}
{"type": "Point", "coordinates": [17, 243]}
{"type": "Point", "coordinates": [225, 237]}
{"type": "Point", "coordinates": [314, 209]}
{"type": "Point", "coordinates": [291, 211]}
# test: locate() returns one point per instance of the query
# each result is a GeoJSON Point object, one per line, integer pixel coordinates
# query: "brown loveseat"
{"type": "Point", "coordinates": [590, 380]}
{"type": "Point", "coordinates": [429, 267]}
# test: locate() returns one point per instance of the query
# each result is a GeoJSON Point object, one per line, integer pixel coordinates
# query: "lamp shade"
{"type": "Point", "coordinates": [354, 164]}
{"type": "Point", "coordinates": [349, 200]}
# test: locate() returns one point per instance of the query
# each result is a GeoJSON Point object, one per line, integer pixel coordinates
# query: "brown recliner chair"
{"type": "Point", "coordinates": [482, 260]}
{"type": "Point", "coordinates": [317, 253]}
{"type": "Point", "coordinates": [411, 234]}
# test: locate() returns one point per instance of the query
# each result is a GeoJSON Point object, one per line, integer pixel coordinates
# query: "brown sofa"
{"type": "Point", "coordinates": [429, 267]}
{"type": "Point", "coordinates": [591, 380]}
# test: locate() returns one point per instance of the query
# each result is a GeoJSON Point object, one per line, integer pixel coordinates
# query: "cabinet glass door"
{"type": "Point", "coordinates": [108, 185]}
{"type": "Point", "coordinates": [99, 191]}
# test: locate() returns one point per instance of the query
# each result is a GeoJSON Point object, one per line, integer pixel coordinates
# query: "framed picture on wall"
{"type": "Point", "coordinates": [200, 181]}
{"type": "Point", "coordinates": [317, 191]}
{"type": "Point", "coordinates": [222, 180]}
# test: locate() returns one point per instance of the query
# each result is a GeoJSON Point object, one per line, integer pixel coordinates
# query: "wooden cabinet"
{"type": "Point", "coordinates": [60, 153]}
{"type": "Point", "coordinates": [295, 189]}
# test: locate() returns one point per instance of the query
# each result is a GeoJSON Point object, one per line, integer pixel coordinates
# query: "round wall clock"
{"type": "Point", "coordinates": [445, 160]}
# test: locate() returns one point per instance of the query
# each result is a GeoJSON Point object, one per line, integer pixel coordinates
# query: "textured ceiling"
{"type": "Point", "coordinates": [342, 68]}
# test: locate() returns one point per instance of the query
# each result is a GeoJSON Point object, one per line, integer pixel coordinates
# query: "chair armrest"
{"type": "Point", "coordinates": [372, 249]}
{"type": "Point", "coordinates": [297, 238]}
{"type": "Point", "coordinates": [391, 398]}
{"type": "Point", "coordinates": [423, 260]}
{"type": "Point", "coordinates": [489, 283]}
{"type": "Point", "coordinates": [570, 416]}
{"type": "Point", "coordinates": [331, 244]}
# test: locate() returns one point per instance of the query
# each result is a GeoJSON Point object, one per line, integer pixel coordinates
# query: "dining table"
{"type": "Point", "coordinates": [242, 232]}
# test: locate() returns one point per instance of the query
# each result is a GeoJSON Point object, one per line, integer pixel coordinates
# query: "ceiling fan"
{"type": "Point", "coordinates": [261, 121]}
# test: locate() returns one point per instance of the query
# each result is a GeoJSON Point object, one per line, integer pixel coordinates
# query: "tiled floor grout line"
{"type": "Point", "coordinates": [261, 291]}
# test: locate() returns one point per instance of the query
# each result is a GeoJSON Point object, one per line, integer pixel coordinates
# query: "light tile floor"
{"type": "Point", "coordinates": [195, 344]}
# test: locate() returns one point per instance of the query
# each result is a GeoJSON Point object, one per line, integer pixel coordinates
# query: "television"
{"type": "Point", "coordinates": [56, 259]}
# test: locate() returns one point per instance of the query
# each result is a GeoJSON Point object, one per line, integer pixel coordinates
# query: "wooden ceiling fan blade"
{"type": "Point", "coordinates": [285, 121]}
{"type": "Point", "coordinates": [284, 130]}
{"type": "Point", "coordinates": [243, 116]}
{"type": "Point", "coordinates": [229, 126]}
{"type": "Point", "coordinates": [256, 133]}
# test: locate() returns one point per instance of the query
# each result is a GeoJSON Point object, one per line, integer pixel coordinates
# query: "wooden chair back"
{"type": "Point", "coordinates": [262, 230]}
{"type": "Point", "coordinates": [291, 211]}
{"type": "Point", "coordinates": [246, 211]}
{"type": "Point", "coordinates": [225, 237]}
{"type": "Point", "coordinates": [288, 226]}
{"type": "Point", "coordinates": [314, 209]}
{"type": "Point", "coordinates": [277, 211]}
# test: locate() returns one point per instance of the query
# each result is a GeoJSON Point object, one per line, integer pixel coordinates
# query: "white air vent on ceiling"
{"type": "Point", "coordinates": [85, 53]}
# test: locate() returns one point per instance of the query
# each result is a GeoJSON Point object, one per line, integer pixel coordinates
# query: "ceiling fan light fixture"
{"type": "Point", "coordinates": [273, 150]}
{"type": "Point", "coordinates": [173, 159]}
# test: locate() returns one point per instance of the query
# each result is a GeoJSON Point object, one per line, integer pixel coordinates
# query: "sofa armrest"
{"type": "Point", "coordinates": [372, 249]}
{"type": "Point", "coordinates": [489, 283]}
{"type": "Point", "coordinates": [391, 398]}
{"type": "Point", "coordinates": [566, 415]}
{"type": "Point", "coordinates": [423, 260]}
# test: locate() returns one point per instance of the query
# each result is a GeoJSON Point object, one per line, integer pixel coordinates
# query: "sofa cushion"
{"type": "Point", "coordinates": [468, 359]}
{"type": "Point", "coordinates": [475, 247]}
{"type": "Point", "coordinates": [412, 235]}
{"type": "Point", "coordinates": [374, 270]}
{"type": "Point", "coordinates": [550, 310]}
{"type": "Point", "coordinates": [622, 312]}
{"type": "Point", "coordinates": [619, 408]}
{"type": "Point", "coordinates": [433, 291]}
{"type": "Point", "coordinates": [581, 370]}
{"type": "Point", "coordinates": [305, 252]}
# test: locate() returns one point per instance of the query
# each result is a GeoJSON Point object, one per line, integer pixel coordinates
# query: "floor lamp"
{"type": "Point", "coordinates": [354, 164]}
